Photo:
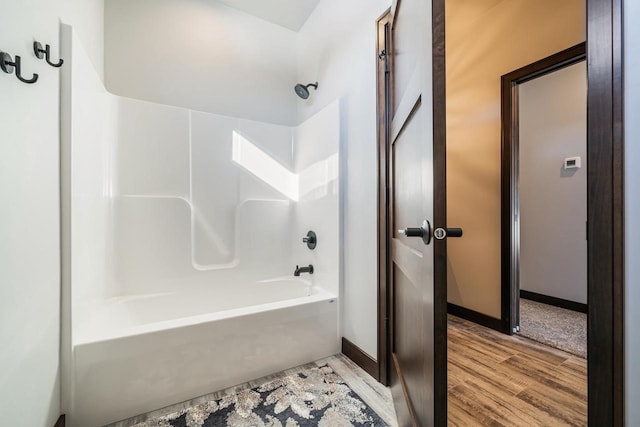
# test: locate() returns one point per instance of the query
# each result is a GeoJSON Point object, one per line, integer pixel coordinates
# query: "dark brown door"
{"type": "Point", "coordinates": [416, 370]}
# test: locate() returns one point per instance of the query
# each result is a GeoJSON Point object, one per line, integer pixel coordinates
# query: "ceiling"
{"type": "Point", "coordinates": [290, 14]}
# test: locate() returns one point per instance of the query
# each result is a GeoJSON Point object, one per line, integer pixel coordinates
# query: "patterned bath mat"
{"type": "Point", "coordinates": [311, 397]}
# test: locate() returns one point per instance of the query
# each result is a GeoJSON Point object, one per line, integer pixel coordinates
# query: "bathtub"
{"type": "Point", "coordinates": [138, 353]}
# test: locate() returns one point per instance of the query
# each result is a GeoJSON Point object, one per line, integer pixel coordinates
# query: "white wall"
{"type": "Point", "coordinates": [29, 254]}
{"type": "Point", "coordinates": [632, 210]}
{"type": "Point", "coordinates": [336, 47]}
{"type": "Point", "coordinates": [29, 220]}
{"type": "Point", "coordinates": [87, 19]}
{"type": "Point", "coordinates": [201, 55]}
{"type": "Point", "coordinates": [553, 201]}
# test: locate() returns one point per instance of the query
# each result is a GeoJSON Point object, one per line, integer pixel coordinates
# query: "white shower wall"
{"type": "Point", "coordinates": [166, 197]}
{"type": "Point", "coordinates": [317, 160]}
{"type": "Point", "coordinates": [183, 207]}
{"type": "Point", "coordinates": [90, 121]}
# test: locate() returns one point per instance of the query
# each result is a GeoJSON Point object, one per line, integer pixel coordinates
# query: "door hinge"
{"type": "Point", "coordinates": [382, 54]}
{"type": "Point", "coordinates": [386, 326]}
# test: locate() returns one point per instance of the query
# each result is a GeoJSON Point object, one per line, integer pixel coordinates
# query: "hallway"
{"type": "Point", "coordinates": [500, 380]}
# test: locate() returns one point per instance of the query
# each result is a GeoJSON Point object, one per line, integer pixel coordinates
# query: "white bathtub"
{"type": "Point", "coordinates": [140, 353]}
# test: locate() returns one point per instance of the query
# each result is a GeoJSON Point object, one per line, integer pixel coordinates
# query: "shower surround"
{"type": "Point", "coordinates": [184, 231]}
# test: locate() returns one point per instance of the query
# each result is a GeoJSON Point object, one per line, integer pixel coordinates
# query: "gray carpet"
{"type": "Point", "coordinates": [555, 327]}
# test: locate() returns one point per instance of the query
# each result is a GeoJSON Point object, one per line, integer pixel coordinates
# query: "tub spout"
{"type": "Point", "coordinates": [299, 270]}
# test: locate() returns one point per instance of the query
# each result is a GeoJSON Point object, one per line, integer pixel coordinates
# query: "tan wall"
{"type": "Point", "coordinates": [486, 39]}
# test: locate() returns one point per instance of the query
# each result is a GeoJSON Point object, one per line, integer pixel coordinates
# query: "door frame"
{"type": "Point", "coordinates": [605, 142]}
{"type": "Point", "coordinates": [383, 25]}
{"type": "Point", "coordinates": [510, 287]}
{"type": "Point", "coordinates": [605, 213]}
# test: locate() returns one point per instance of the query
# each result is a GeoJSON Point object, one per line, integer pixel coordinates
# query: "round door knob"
{"type": "Point", "coordinates": [424, 232]}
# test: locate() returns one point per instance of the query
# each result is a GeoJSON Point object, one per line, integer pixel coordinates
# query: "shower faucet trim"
{"type": "Point", "coordinates": [300, 270]}
{"type": "Point", "coordinates": [311, 240]}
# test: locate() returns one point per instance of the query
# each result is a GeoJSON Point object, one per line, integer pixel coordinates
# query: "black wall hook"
{"type": "Point", "coordinates": [7, 64]}
{"type": "Point", "coordinates": [45, 53]}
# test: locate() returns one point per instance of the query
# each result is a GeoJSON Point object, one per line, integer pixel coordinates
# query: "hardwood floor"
{"type": "Point", "coordinates": [501, 380]}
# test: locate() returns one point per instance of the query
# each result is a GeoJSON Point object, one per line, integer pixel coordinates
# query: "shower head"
{"type": "Point", "coordinates": [303, 90]}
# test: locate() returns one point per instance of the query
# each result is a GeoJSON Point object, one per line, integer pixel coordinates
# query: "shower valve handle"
{"type": "Point", "coordinates": [311, 240]}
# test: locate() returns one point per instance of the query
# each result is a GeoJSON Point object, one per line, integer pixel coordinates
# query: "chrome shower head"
{"type": "Point", "coordinates": [303, 90]}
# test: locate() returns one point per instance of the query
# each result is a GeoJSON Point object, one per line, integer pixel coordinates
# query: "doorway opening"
{"type": "Point", "coordinates": [604, 213]}
{"type": "Point", "coordinates": [485, 41]}
{"type": "Point", "coordinates": [544, 201]}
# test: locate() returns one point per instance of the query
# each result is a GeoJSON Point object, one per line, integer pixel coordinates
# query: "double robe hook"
{"type": "Point", "coordinates": [45, 54]}
{"type": "Point", "coordinates": [8, 65]}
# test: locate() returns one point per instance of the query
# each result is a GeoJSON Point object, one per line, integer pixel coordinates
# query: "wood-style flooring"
{"type": "Point", "coordinates": [501, 380]}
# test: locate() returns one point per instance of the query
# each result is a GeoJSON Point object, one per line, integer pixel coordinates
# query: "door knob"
{"type": "Point", "coordinates": [443, 233]}
{"type": "Point", "coordinates": [424, 232]}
